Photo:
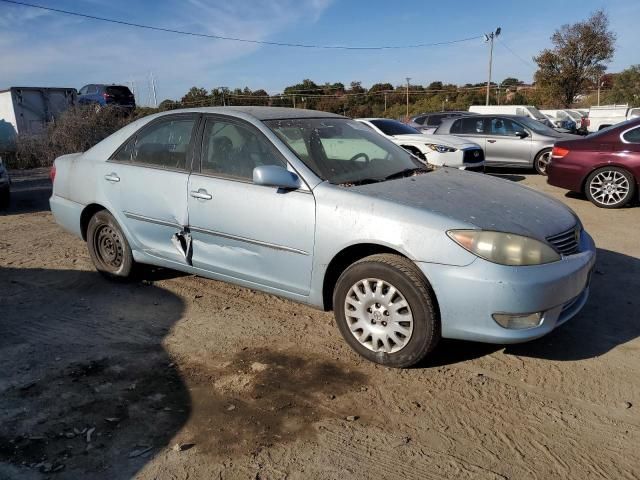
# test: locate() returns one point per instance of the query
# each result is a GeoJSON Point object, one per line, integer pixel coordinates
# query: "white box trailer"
{"type": "Point", "coordinates": [27, 110]}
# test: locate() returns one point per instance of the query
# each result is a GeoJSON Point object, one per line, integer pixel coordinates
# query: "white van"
{"type": "Point", "coordinates": [521, 110]}
{"type": "Point", "coordinates": [606, 115]}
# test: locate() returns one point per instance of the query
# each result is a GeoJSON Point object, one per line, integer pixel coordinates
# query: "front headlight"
{"type": "Point", "coordinates": [504, 248]}
{"type": "Point", "coordinates": [440, 148]}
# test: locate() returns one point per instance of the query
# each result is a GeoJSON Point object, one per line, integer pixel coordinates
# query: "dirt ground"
{"type": "Point", "coordinates": [179, 377]}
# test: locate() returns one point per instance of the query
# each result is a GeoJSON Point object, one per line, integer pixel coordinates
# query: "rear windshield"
{"type": "Point", "coordinates": [118, 91]}
{"type": "Point", "coordinates": [394, 127]}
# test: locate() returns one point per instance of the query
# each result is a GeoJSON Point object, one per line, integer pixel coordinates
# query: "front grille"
{"type": "Point", "coordinates": [566, 243]}
{"type": "Point", "coordinates": [474, 155]}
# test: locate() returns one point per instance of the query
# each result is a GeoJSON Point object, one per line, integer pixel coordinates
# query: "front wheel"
{"type": "Point", "coordinates": [541, 161]}
{"type": "Point", "coordinates": [108, 247]}
{"type": "Point", "coordinates": [385, 310]}
{"type": "Point", "coordinates": [610, 187]}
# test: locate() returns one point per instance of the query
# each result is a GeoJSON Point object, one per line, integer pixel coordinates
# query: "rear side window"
{"type": "Point", "coordinates": [632, 136]}
{"type": "Point", "coordinates": [420, 120]}
{"type": "Point", "coordinates": [163, 144]}
{"type": "Point", "coordinates": [118, 91]}
{"type": "Point", "coordinates": [435, 120]}
{"type": "Point", "coordinates": [469, 126]}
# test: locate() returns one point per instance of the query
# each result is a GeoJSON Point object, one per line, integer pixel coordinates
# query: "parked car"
{"type": "Point", "coordinates": [5, 185]}
{"type": "Point", "coordinates": [443, 150]}
{"type": "Point", "coordinates": [520, 110]}
{"type": "Point", "coordinates": [428, 122]}
{"type": "Point", "coordinates": [605, 166]}
{"type": "Point", "coordinates": [107, 95]}
{"type": "Point", "coordinates": [508, 140]}
{"type": "Point", "coordinates": [606, 115]}
{"type": "Point", "coordinates": [317, 208]}
{"type": "Point", "coordinates": [565, 119]}
{"type": "Point", "coordinates": [566, 125]}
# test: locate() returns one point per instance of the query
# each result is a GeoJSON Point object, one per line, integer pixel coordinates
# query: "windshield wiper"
{"type": "Point", "coordinates": [406, 172]}
{"type": "Point", "coordinates": [361, 181]}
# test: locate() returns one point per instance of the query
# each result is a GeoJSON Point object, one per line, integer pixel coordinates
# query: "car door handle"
{"type": "Point", "coordinates": [112, 177]}
{"type": "Point", "coordinates": [491, 141]}
{"type": "Point", "coordinates": [202, 194]}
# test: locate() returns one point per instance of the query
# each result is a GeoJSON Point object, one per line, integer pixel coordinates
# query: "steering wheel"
{"type": "Point", "coordinates": [358, 155]}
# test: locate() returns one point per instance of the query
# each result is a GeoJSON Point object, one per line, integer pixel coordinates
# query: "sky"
{"type": "Point", "coordinates": [39, 48]}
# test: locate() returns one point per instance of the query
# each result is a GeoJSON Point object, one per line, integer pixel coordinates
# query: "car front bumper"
{"type": "Point", "coordinates": [468, 296]}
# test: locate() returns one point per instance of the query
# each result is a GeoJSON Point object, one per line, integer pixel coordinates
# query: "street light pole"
{"type": "Point", "coordinates": [489, 38]}
{"type": "Point", "coordinates": [408, 78]}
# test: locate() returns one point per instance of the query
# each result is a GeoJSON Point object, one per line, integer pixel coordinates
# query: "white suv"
{"type": "Point", "coordinates": [438, 150]}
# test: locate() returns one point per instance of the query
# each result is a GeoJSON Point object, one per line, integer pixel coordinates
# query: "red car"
{"type": "Point", "coordinates": [605, 166]}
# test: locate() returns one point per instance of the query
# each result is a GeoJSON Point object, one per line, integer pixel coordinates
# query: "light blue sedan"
{"type": "Point", "coordinates": [319, 209]}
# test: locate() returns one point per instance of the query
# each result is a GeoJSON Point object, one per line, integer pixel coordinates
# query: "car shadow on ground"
{"type": "Point", "coordinates": [87, 388]}
{"type": "Point", "coordinates": [513, 174]}
{"type": "Point", "coordinates": [30, 191]}
{"type": "Point", "coordinates": [610, 318]}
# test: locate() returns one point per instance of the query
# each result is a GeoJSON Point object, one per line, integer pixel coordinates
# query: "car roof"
{"type": "Point", "coordinates": [260, 113]}
{"type": "Point", "coordinates": [443, 112]}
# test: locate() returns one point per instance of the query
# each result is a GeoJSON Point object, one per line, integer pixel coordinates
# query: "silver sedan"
{"type": "Point", "coordinates": [507, 140]}
{"type": "Point", "coordinates": [320, 209]}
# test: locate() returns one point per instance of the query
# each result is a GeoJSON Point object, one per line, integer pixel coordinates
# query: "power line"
{"type": "Point", "coordinates": [236, 39]}
{"type": "Point", "coordinates": [513, 52]}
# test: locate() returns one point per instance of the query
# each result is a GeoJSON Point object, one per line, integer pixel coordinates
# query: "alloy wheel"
{"type": "Point", "coordinates": [609, 187]}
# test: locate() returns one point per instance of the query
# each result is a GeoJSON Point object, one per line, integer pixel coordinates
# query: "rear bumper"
{"type": "Point", "coordinates": [567, 174]}
{"type": "Point", "coordinates": [468, 296]}
{"type": "Point", "coordinates": [67, 213]}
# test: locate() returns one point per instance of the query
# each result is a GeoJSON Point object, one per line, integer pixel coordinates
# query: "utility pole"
{"type": "Point", "coordinates": [153, 89]}
{"type": "Point", "coordinates": [408, 78]}
{"type": "Point", "coordinates": [599, 85]}
{"type": "Point", "coordinates": [489, 38]}
{"type": "Point", "coordinates": [294, 100]}
{"type": "Point", "coordinates": [385, 101]}
{"type": "Point", "coordinates": [222, 89]}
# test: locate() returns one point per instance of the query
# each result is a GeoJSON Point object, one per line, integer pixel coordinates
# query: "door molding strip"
{"type": "Point", "coordinates": [248, 240]}
{"type": "Point", "coordinates": [156, 221]}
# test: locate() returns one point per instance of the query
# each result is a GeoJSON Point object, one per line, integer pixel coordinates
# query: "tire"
{"type": "Point", "coordinates": [610, 187]}
{"type": "Point", "coordinates": [398, 342]}
{"type": "Point", "coordinates": [541, 162]}
{"type": "Point", "coordinates": [108, 247]}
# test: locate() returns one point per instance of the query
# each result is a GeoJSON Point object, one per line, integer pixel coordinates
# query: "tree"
{"type": "Point", "coordinates": [511, 82]}
{"type": "Point", "coordinates": [626, 87]}
{"type": "Point", "coordinates": [196, 96]}
{"type": "Point", "coordinates": [579, 54]}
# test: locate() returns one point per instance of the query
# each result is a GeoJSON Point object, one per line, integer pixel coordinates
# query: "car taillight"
{"type": "Point", "coordinates": [52, 173]}
{"type": "Point", "coordinates": [559, 152]}
{"type": "Point", "coordinates": [106, 95]}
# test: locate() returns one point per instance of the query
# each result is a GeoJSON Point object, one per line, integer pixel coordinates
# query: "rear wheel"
{"type": "Point", "coordinates": [108, 247]}
{"type": "Point", "coordinates": [541, 161]}
{"type": "Point", "coordinates": [610, 187]}
{"type": "Point", "coordinates": [385, 310]}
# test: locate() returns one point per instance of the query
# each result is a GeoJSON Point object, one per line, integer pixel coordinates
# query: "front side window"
{"type": "Point", "coordinates": [632, 136]}
{"type": "Point", "coordinates": [504, 126]}
{"type": "Point", "coordinates": [163, 144]}
{"type": "Point", "coordinates": [233, 150]}
{"type": "Point", "coordinates": [343, 151]}
{"type": "Point", "coordinates": [435, 120]}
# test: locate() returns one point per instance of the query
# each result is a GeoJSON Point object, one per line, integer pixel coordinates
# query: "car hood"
{"type": "Point", "coordinates": [448, 140]}
{"type": "Point", "coordinates": [480, 200]}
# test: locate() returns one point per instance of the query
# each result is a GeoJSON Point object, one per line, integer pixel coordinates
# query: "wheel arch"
{"type": "Point", "coordinates": [346, 257]}
{"type": "Point", "coordinates": [88, 212]}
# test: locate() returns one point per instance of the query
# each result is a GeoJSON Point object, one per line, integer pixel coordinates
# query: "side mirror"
{"type": "Point", "coordinates": [521, 134]}
{"type": "Point", "coordinates": [276, 176]}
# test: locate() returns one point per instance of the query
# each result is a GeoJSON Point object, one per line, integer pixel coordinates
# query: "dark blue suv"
{"type": "Point", "coordinates": [107, 95]}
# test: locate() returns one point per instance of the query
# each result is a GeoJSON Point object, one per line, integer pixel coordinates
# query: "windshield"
{"type": "Point", "coordinates": [342, 150]}
{"type": "Point", "coordinates": [394, 127]}
{"type": "Point", "coordinates": [536, 113]}
{"type": "Point", "coordinates": [538, 127]}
